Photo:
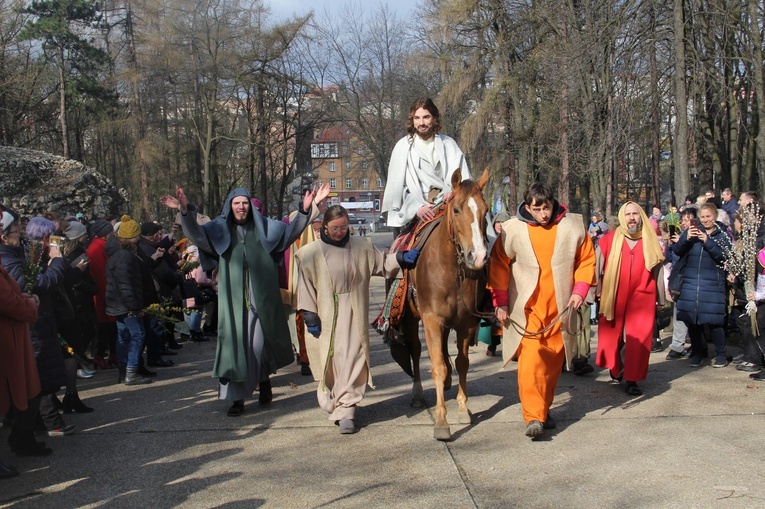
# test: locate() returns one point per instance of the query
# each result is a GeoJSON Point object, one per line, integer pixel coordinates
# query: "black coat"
{"type": "Point", "coordinates": [45, 342]}
{"type": "Point", "coordinates": [702, 298]}
{"type": "Point", "coordinates": [124, 287]}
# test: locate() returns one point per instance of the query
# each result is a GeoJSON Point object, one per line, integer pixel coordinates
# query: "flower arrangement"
{"type": "Point", "coordinates": [188, 266]}
{"type": "Point", "coordinates": [164, 313]}
{"type": "Point", "coordinates": [33, 267]}
{"type": "Point", "coordinates": [741, 259]}
{"type": "Point", "coordinates": [69, 351]}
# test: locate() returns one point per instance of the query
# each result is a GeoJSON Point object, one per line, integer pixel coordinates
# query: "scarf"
{"type": "Point", "coordinates": [651, 253]}
{"type": "Point", "coordinates": [337, 243]}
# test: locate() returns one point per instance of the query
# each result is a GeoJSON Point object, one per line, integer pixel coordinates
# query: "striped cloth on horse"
{"type": "Point", "coordinates": [395, 301]}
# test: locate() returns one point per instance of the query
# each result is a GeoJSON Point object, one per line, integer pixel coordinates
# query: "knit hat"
{"type": "Point", "coordinates": [101, 228]}
{"type": "Point", "coordinates": [75, 230]}
{"type": "Point", "coordinates": [148, 229]}
{"type": "Point", "coordinates": [7, 219]}
{"type": "Point", "coordinates": [129, 228]}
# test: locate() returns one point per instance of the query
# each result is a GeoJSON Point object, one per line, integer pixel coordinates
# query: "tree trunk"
{"type": "Point", "coordinates": [62, 105]}
{"type": "Point", "coordinates": [680, 155]}
{"type": "Point", "coordinates": [655, 117]}
{"type": "Point", "coordinates": [755, 20]}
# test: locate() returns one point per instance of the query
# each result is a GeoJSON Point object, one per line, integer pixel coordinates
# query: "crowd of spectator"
{"type": "Point", "coordinates": [85, 297]}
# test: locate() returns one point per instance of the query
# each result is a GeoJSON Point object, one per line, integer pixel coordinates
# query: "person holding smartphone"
{"type": "Point", "coordinates": [702, 298]}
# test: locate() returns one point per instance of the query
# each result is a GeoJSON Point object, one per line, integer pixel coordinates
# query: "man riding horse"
{"type": "Point", "coordinates": [421, 167]}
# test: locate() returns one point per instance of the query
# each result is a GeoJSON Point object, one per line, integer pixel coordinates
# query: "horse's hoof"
{"type": "Point", "coordinates": [442, 433]}
{"type": "Point", "coordinates": [418, 403]}
{"type": "Point", "coordinates": [465, 417]}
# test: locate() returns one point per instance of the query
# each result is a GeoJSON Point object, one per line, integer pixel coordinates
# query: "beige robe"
{"type": "Point", "coordinates": [334, 283]}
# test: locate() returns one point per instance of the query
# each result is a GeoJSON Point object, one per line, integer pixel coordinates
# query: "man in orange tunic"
{"type": "Point", "coordinates": [543, 262]}
{"type": "Point", "coordinates": [632, 270]}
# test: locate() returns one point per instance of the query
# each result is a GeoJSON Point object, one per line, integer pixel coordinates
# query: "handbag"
{"type": "Point", "coordinates": [675, 282]}
{"type": "Point", "coordinates": [190, 288]}
{"type": "Point", "coordinates": [206, 295]}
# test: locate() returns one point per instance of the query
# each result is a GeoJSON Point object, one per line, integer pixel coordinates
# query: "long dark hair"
{"type": "Point", "coordinates": [426, 103]}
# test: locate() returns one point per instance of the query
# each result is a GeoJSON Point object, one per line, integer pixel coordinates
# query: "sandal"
{"type": "Point", "coordinates": [236, 409]}
{"type": "Point", "coordinates": [632, 389]}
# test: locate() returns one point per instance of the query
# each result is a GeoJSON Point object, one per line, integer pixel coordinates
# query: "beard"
{"type": "Point", "coordinates": [634, 228]}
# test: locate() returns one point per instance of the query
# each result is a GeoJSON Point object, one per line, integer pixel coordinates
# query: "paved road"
{"type": "Point", "coordinates": [695, 439]}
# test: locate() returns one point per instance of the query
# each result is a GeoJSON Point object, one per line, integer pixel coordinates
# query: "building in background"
{"type": "Point", "coordinates": [340, 159]}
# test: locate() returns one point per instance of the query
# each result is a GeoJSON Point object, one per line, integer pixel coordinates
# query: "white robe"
{"type": "Point", "coordinates": [414, 170]}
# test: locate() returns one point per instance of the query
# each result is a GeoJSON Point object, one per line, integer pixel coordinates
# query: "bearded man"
{"type": "Point", "coordinates": [421, 167]}
{"type": "Point", "coordinates": [632, 284]}
{"type": "Point", "coordinates": [253, 336]}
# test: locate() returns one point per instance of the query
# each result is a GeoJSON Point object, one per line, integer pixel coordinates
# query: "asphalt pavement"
{"type": "Point", "coordinates": [694, 439]}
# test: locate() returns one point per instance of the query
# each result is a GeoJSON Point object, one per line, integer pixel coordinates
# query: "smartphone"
{"type": "Point", "coordinates": [77, 260]}
{"type": "Point", "coordinates": [672, 229]}
{"type": "Point", "coordinates": [696, 223]}
{"type": "Point", "coordinates": [56, 240]}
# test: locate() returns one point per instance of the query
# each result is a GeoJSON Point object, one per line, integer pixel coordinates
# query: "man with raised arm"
{"type": "Point", "coordinates": [253, 335]}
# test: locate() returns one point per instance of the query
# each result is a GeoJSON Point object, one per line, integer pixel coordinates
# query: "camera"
{"type": "Point", "coordinates": [56, 240]}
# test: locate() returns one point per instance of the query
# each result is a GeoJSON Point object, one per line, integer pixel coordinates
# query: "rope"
{"type": "Point", "coordinates": [566, 326]}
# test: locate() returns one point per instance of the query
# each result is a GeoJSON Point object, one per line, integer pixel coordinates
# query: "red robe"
{"type": "Point", "coordinates": [634, 315]}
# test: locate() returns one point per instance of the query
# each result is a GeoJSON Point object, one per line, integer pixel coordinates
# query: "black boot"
{"type": "Point", "coordinates": [73, 403]}
{"type": "Point", "coordinates": [133, 377]}
{"type": "Point", "coordinates": [7, 471]}
{"type": "Point", "coordinates": [121, 375]}
{"type": "Point", "coordinates": [266, 396]}
{"type": "Point", "coordinates": [26, 445]}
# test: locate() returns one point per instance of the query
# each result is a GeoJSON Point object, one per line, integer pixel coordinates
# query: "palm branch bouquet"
{"type": "Point", "coordinates": [33, 254]}
{"type": "Point", "coordinates": [741, 258]}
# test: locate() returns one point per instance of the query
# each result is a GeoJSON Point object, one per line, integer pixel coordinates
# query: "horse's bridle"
{"type": "Point", "coordinates": [464, 272]}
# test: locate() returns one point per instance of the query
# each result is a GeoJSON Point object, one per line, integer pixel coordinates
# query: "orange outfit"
{"type": "Point", "coordinates": [540, 359]}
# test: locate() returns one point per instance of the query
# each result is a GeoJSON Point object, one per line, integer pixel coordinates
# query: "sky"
{"type": "Point", "coordinates": [282, 9]}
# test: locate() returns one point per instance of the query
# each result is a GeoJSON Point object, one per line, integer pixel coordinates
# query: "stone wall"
{"type": "Point", "coordinates": [33, 183]}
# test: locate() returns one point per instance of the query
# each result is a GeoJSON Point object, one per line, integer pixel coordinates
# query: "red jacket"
{"type": "Point", "coordinates": [97, 253]}
{"type": "Point", "coordinates": [19, 379]}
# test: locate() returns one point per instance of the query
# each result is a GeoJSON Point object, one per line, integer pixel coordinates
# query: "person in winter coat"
{"type": "Point", "coordinates": [19, 380]}
{"type": "Point", "coordinates": [702, 299]}
{"type": "Point", "coordinates": [195, 305]}
{"type": "Point", "coordinates": [45, 342]}
{"type": "Point", "coordinates": [106, 326]}
{"type": "Point", "coordinates": [76, 313]}
{"type": "Point", "coordinates": [124, 300]}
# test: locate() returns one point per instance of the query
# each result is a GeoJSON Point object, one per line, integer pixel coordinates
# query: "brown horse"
{"type": "Point", "coordinates": [445, 283]}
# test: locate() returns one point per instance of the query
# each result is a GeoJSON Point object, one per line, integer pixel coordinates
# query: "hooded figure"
{"type": "Point", "coordinates": [253, 337]}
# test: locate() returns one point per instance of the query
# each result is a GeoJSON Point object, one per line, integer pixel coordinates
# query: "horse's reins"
{"type": "Point", "coordinates": [566, 326]}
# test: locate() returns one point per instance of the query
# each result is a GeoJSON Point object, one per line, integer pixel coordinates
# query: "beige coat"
{"type": "Point", "coordinates": [316, 294]}
{"type": "Point", "coordinates": [525, 275]}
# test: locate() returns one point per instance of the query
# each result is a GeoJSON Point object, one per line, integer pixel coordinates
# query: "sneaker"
{"type": "Point", "coordinates": [748, 367]}
{"type": "Point", "coordinates": [347, 427]}
{"type": "Point", "coordinates": [84, 375]}
{"type": "Point", "coordinates": [738, 359]}
{"type": "Point", "coordinates": [657, 345]}
{"type": "Point", "coordinates": [720, 362]}
{"type": "Point", "coordinates": [534, 430]}
{"type": "Point", "coordinates": [674, 355]}
{"type": "Point", "coordinates": [695, 362]}
{"type": "Point", "coordinates": [687, 352]}
{"type": "Point", "coordinates": [760, 377]}
{"type": "Point", "coordinates": [68, 429]}
{"type": "Point", "coordinates": [581, 369]}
